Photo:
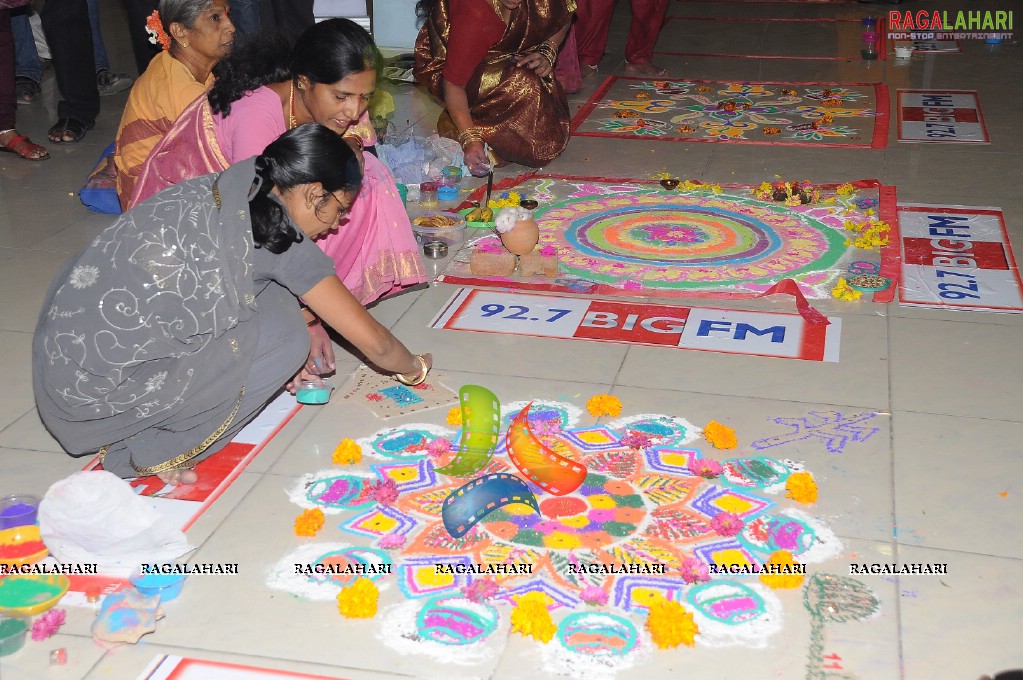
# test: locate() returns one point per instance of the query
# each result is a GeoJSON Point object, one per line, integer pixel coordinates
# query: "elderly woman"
{"type": "Point", "coordinates": [173, 329]}
{"type": "Point", "coordinates": [195, 34]}
{"type": "Point", "coordinates": [258, 95]}
{"type": "Point", "coordinates": [492, 62]}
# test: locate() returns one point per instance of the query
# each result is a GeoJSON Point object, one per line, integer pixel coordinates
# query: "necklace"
{"type": "Point", "coordinates": [291, 107]}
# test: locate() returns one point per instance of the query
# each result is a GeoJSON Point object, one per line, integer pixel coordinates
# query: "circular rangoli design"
{"type": "Point", "coordinates": [687, 241]}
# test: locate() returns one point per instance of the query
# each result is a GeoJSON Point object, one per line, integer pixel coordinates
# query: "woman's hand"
{"type": "Point", "coordinates": [419, 373]}
{"type": "Point", "coordinates": [321, 351]}
{"type": "Point", "coordinates": [476, 159]}
{"type": "Point", "coordinates": [536, 62]}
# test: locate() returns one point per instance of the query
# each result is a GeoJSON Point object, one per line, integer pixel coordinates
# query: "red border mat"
{"type": "Point", "coordinates": [940, 117]}
{"type": "Point", "coordinates": [958, 257]}
{"type": "Point", "coordinates": [575, 210]}
{"type": "Point", "coordinates": [188, 502]}
{"type": "Point", "coordinates": [663, 110]}
{"type": "Point", "coordinates": [169, 667]}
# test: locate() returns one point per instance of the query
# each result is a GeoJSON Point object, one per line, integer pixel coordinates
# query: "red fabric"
{"type": "Point", "coordinates": [475, 28]}
{"type": "Point", "coordinates": [790, 287]}
{"type": "Point", "coordinates": [593, 20]}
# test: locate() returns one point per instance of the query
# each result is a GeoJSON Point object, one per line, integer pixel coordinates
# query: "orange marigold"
{"type": "Point", "coordinates": [670, 625]}
{"type": "Point", "coordinates": [347, 452]}
{"type": "Point", "coordinates": [309, 522]}
{"type": "Point", "coordinates": [720, 436]}
{"type": "Point", "coordinates": [781, 571]}
{"type": "Point", "coordinates": [604, 405]}
{"type": "Point", "coordinates": [801, 487]}
{"type": "Point", "coordinates": [359, 600]}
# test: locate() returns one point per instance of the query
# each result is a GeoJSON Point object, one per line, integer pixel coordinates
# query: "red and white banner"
{"type": "Point", "coordinates": [957, 258]}
{"type": "Point", "coordinates": [733, 331]}
{"type": "Point", "coordinates": [942, 116]}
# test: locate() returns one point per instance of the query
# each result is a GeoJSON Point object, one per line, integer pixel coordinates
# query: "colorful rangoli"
{"type": "Point", "coordinates": [809, 114]}
{"type": "Point", "coordinates": [639, 239]}
{"type": "Point", "coordinates": [640, 527]}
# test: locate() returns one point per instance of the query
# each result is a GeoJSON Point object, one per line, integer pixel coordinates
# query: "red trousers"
{"type": "Point", "coordinates": [593, 21]}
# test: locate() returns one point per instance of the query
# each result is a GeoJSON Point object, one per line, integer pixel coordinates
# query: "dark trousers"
{"type": "Point", "coordinates": [138, 11]}
{"type": "Point", "coordinates": [7, 101]}
{"type": "Point", "coordinates": [69, 34]}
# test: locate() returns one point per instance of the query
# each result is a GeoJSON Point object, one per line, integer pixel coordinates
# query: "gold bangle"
{"type": "Point", "coordinates": [470, 135]}
{"type": "Point", "coordinates": [547, 50]}
{"type": "Point", "coordinates": [418, 380]}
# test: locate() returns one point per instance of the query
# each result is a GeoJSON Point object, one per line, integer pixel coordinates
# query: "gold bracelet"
{"type": "Point", "coordinates": [470, 135]}
{"type": "Point", "coordinates": [418, 380]}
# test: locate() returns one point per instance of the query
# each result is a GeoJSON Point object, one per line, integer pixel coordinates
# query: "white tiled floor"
{"type": "Point", "coordinates": [938, 482]}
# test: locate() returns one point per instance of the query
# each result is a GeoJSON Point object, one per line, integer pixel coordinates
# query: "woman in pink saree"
{"type": "Point", "coordinates": [260, 92]}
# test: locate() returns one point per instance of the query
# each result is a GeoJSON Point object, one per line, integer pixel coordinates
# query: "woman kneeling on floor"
{"type": "Point", "coordinates": [176, 326]}
{"type": "Point", "coordinates": [492, 64]}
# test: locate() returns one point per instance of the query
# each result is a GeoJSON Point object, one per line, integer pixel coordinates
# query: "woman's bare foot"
{"type": "Point", "coordinates": [176, 477]}
{"type": "Point", "coordinates": [648, 69]}
{"type": "Point", "coordinates": [587, 70]}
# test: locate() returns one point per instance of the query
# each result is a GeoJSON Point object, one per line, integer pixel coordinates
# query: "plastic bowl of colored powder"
{"type": "Point", "coordinates": [23, 595]}
{"type": "Point", "coordinates": [12, 635]}
{"type": "Point", "coordinates": [167, 586]}
{"type": "Point", "coordinates": [22, 545]}
{"type": "Point", "coordinates": [18, 509]}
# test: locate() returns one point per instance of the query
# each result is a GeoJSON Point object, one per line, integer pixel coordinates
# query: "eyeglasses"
{"type": "Point", "coordinates": [342, 211]}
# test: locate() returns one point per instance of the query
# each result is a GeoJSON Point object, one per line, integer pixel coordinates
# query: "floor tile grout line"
{"type": "Point", "coordinates": [894, 502]}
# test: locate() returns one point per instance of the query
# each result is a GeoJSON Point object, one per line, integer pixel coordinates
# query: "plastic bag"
{"type": "Point", "coordinates": [95, 517]}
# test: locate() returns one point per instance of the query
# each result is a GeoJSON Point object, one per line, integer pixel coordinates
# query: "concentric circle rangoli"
{"type": "Point", "coordinates": [675, 241]}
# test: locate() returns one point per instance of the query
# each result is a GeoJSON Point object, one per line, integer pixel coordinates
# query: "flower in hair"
{"type": "Point", "coordinates": [154, 27]}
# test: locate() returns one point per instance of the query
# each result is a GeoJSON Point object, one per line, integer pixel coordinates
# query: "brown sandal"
{"type": "Point", "coordinates": [24, 147]}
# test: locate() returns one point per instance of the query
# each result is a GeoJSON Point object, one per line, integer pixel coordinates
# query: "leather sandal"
{"type": "Point", "coordinates": [68, 127]}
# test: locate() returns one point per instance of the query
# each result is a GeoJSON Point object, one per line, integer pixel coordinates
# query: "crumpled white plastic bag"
{"type": "Point", "coordinates": [95, 517]}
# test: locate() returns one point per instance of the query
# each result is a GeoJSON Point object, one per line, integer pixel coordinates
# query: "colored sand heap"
{"type": "Point", "coordinates": [652, 526]}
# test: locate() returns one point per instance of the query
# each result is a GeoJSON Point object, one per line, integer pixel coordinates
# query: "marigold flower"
{"type": "Point", "coordinates": [309, 522]}
{"type": "Point", "coordinates": [359, 600]}
{"type": "Point", "coordinates": [720, 436]}
{"type": "Point", "coordinates": [455, 416]}
{"type": "Point", "coordinates": [604, 405]}
{"type": "Point", "coordinates": [786, 572]}
{"type": "Point", "coordinates": [801, 487]}
{"type": "Point", "coordinates": [842, 291]}
{"type": "Point", "coordinates": [670, 625]}
{"type": "Point", "coordinates": [347, 452]}
{"type": "Point", "coordinates": [531, 617]}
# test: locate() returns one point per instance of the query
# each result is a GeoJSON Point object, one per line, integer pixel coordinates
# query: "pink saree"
{"type": "Point", "coordinates": [374, 250]}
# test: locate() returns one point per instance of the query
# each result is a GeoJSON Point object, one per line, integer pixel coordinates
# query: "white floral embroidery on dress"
{"type": "Point", "coordinates": [83, 276]}
{"type": "Point", "coordinates": [156, 381]}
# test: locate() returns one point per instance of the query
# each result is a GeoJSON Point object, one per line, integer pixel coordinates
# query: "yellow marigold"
{"type": "Point", "coordinates": [786, 572]}
{"type": "Point", "coordinates": [455, 416]}
{"type": "Point", "coordinates": [764, 192]}
{"type": "Point", "coordinates": [670, 625]}
{"type": "Point", "coordinates": [801, 487]}
{"type": "Point", "coordinates": [663, 174]}
{"type": "Point", "coordinates": [843, 291]}
{"type": "Point", "coordinates": [309, 522]}
{"type": "Point", "coordinates": [347, 452]}
{"type": "Point", "coordinates": [531, 617]}
{"type": "Point", "coordinates": [846, 189]}
{"type": "Point", "coordinates": [359, 600]}
{"type": "Point", "coordinates": [716, 188]}
{"type": "Point", "coordinates": [604, 405]}
{"type": "Point", "coordinates": [720, 436]}
{"type": "Point", "coordinates": [689, 185]}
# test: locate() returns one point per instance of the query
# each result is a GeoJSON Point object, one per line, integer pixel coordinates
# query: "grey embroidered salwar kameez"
{"type": "Point", "coordinates": [171, 331]}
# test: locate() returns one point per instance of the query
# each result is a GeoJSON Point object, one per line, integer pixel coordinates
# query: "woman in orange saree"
{"type": "Point", "coordinates": [492, 64]}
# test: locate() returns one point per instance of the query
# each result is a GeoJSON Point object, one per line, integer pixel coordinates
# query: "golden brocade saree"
{"type": "Point", "coordinates": [524, 118]}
